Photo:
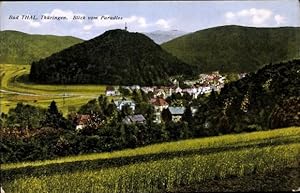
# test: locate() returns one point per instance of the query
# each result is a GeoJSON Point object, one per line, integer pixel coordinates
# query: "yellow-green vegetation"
{"type": "Point", "coordinates": [22, 48]}
{"type": "Point", "coordinates": [160, 167]}
{"type": "Point", "coordinates": [67, 97]}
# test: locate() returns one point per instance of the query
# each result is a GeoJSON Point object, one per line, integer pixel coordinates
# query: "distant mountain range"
{"type": "Point", "coordinates": [22, 48]}
{"type": "Point", "coordinates": [117, 57]}
{"type": "Point", "coordinates": [225, 48]}
{"type": "Point", "coordinates": [236, 48]}
{"type": "Point", "coordinates": [164, 36]}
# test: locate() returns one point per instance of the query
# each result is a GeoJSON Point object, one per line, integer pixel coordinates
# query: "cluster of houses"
{"type": "Point", "coordinates": [207, 82]}
{"type": "Point", "coordinates": [204, 84]}
{"type": "Point", "coordinates": [176, 111]}
{"type": "Point", "coordinates": [158, 103]}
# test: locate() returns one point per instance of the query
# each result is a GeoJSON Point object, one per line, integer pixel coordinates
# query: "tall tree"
{"type": "Point", "coordinates": [103, 104]}
{"type": "Point", "coordinates": [137, 96]}
{"type": "Point", "coordinates": [91, 107]}
{"type": "Point", "coordinates": [187, 115]}
{"type": "Point", "coordinates": [25, 116]}
{"type": "Point", "coordinates": [54, 118]}
{"type": "Point", "coordinates": [166, 115]}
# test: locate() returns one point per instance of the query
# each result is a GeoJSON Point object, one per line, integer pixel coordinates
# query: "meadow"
{"type": "Point", "coordinates": [164, 167]}
{"type": "Point", "coordinates": [67, 97]}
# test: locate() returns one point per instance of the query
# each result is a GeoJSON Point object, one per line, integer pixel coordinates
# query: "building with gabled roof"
{"type": "Point", "coordinates": [159, 105]}
{"type": "Point", "coordinates": [82, 121]}
{"type": "Point", "coordinates": [177, 113]}
{"type": "Point", "coordinates": [133, 119]}
{"type": "Point", "coordinates": [111, 91]}
{"type": "Point", "coordinates": [123, 102]}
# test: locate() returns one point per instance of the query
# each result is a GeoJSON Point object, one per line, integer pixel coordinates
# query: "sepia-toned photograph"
{"type": "Point", "coordinates": [149, 96]}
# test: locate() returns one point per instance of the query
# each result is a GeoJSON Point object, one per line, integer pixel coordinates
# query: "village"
{"type": "Point", "coordinates": [205, 84]}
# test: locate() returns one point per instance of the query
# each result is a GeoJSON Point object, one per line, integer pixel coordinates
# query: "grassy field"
{"type": "Point", "coordinates": [67, 97]}
{"type": "Point", "coordinates": [165, 167]}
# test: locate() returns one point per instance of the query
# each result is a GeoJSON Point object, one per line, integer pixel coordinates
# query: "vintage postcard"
{"type": "Point", "coordinates": [149, 96]}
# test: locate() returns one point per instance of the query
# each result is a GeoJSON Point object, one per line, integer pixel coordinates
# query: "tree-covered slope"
{"type": "Point", "coordinates": [236, 48]}
{"type": "Point", "coordinates": [21, 48]}
{"type": "Point", "coordinates": [267, 99]}
{"type": "Point", "coordinates": [115, 57]}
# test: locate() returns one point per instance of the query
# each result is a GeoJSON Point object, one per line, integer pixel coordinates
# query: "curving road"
{"type": "Point", "coordinates": [48, 95]}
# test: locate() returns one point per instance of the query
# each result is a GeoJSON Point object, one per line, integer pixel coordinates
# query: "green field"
{"type": "Point", "coordinates": [41, 95]}
{"type": "Point", "coordinates": [165, 167]}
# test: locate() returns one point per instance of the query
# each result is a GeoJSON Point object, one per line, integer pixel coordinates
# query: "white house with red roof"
{"type": "Point", "coordinates": [159, 105]}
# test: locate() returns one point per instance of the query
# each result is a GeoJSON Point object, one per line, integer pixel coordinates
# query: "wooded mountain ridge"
{"type": "Point", "coordinates": [117, 57]}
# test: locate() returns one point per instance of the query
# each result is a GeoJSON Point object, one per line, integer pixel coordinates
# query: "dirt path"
{"type": "Point", "coordinates": [48, 95]}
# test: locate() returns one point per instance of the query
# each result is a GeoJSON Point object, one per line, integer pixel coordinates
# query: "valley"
{"type": "Point", "coordinates": [121, 113]}
{"type": "Point", "coordinates": [68, 97]}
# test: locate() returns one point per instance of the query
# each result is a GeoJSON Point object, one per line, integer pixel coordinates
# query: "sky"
{"type": "Point", "coordinates": [143, 16]}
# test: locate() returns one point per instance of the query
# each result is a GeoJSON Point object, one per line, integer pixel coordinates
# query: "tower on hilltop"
{"type": "Point", "coordinates": [125, 26]}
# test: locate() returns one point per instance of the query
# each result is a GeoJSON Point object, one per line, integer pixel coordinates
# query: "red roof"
{"type": "Point", "coordinates": [83, 119]}
{"type": "Point", "coordinates": [159, 102]}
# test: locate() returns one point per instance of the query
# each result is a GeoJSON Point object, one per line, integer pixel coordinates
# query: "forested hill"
{"type": "Point", "coordinates": [269, 98]}
{"type": "Point", "coordinates": [21, 48]}
{"type": "Point", "coordinates": [236, 48]}
{"type": "Point", "coordinates": [116, 57]}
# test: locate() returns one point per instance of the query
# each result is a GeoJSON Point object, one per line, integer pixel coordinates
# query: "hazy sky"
{"type": "Point", "coordinates": [146, 16]}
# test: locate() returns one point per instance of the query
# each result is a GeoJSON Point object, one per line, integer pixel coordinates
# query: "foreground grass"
{"type": "Point", "coordinates": [275, 181]}
{"type": "Point", "coordinates": [162, 167]}
{"type": "Point", "coordinates": [42, 95]}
